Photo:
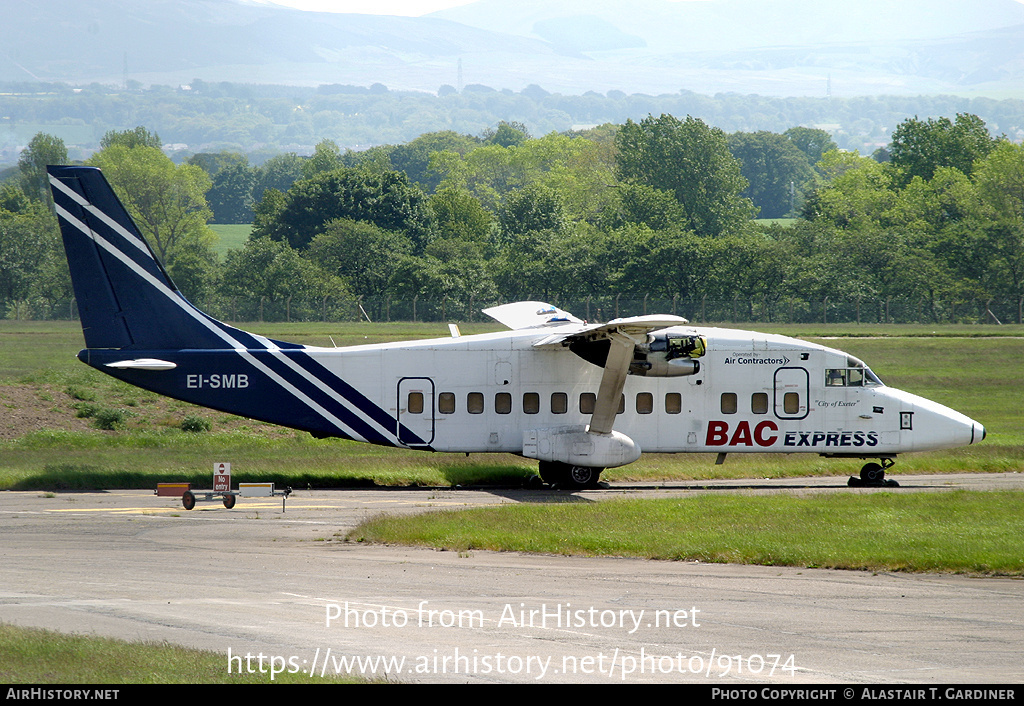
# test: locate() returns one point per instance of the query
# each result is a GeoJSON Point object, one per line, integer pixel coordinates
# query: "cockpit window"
{"type": "Point", "coordinates": [860, 376]}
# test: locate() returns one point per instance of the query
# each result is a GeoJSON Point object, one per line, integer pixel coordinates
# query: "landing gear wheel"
{"type": "Point", "coordinates": [229, 501]}
{"type": "Point", "coordinates": [583, 476]}
{"type": "Point", "coordinates": [872, 473]}
{"type": "Point", "coordinates": [549, 472]}
{"type": "Point", "coordinates": [188, 500]}
{"type": "Point", "coordinates": [564, 475]}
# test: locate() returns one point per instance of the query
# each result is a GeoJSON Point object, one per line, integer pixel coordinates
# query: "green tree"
{"type": "Point", "coordinates": [692, 161]}
{"type": "Point", "coordinates": [26, 238]}
{"type": "Point", "coordinates": [663, 263]}
{"type": "Point", "coordinates": [385, 199]}
{"type": "Point", "coordinates": [273, 269]}
{"type": "Point", "coordinates": [642, 204]}
{"type": "Point", "coordinates": [507, 134]}
{"type": "Point", "coordinates": [919, 147]}
{"type": "Point", "coordinates": [230, 197]}
{"type": "Point", "coordinates": [42, 150]}
{"type": "Point", "coordinates": [167, 202]}
{"type": "Point", "coordinates": [459, 216]}
{"type": "Point", "coordinates": [777, 171]}
{"type": "Point", "coordinates": [451, 272]}
{"type": "Point", "coordinates": [279, 172]}
{"type": "Point", "coordinates": [213, 162]}
{"type": "Point", "coordinates": [362, 254]}
{"type": "Point", "coordinates": [532, 208]}
{"type": "Point", "coordinates": [139, 137]}
{"type": "Point", "coordinates": [811, 141]}
{"type": "Point", "coordinates": [413, 158]}
{"type": "Point", "coordinates": [999, 180]}
{"type": "Point", "coordinates": [326, 158]}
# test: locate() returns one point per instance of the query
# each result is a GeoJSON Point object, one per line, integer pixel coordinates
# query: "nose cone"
{"type": "Point", "coordinates": [929, 425]}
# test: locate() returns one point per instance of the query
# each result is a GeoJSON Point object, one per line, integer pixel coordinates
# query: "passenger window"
{"type": "Point", "coordinates": [502, 403]}
{"type": "Point", "coordinates": [644, 403]}
{"type": "Point", "coordinates": [673, 403]}
{"type": "Point", "coordinates": [587, 400]}
{"type": "Point", "coordinates": [531, 402]}
{"type": "Point", "coordinates": [475, 403]}
{"type": "Point", "coordinates": [759, 403]}
{"type": "Point", "coordinates": [622, 404]}
{"type": "Point", "coordinates": [791, 403]}
{"type": "Point", "coordinates": [446, 403]}
{"type": "Point", "coordinates": [559, 403]}
{"type": "Point", "coordinates": [415, 404]}
{"type": "Point", "coordinates": [729, 403]}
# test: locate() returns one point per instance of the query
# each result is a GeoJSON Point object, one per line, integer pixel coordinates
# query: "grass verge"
{"type": "Point", "coordinates": [35, 656]}
{"type": "Point", "coordinates": [958, 531]}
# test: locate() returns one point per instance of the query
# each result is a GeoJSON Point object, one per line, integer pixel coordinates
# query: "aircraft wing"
{"type": "Point", "coordinates": [634, 326]}
{"type": "Point", "coordinates": [623, 336]}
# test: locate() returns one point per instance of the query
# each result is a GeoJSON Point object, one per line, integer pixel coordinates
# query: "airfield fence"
{"type": "Point", "coordinates": [892, 310]}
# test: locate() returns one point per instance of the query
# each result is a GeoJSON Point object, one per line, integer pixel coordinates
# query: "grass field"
{"type": "Point", "coordinates": [230, 237]}
{"type": "Point", "coordinates": [963, 532]}
{"type": "Point", "coordinates": [32, 656]}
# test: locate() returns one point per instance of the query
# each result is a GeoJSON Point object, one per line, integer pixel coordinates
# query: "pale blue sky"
{"type": "Point", "coordinates": [410, 8]}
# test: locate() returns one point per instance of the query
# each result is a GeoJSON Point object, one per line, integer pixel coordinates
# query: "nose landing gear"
{"type": "Point", "coordinates": [872, 475]}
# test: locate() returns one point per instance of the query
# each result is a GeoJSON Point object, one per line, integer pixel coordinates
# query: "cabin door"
{"type": "Point", "coordinates": [791, 393]}
{"type": "Point", "coordinates": [415, 411]}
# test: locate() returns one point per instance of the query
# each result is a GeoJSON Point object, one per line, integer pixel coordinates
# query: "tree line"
{"type": "Point", "coordinates": [263, 120]}
{"type": "Point", "coordinates": [663, 208]}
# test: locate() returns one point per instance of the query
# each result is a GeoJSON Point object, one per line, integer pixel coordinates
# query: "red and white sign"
{"type": "Point", "coordinates": [221, 477]}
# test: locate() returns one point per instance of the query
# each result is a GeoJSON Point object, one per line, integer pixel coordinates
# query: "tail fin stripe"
{"type": "Point", "coordinates": [107, 220]}
{"type": "Point", "coordinates": [114, 235]}
{"type": "Point", "coordinates": [157, 284]}
{"type": "Point", "coordinates": [201, 318]}
{"type": "Point", "coordinates": [215, 327]}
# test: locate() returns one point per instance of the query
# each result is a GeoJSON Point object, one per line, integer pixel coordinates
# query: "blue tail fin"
{"type": "Point", "coordinates": [125, 298]}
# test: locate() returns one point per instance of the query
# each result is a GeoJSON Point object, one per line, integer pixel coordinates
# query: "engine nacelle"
{"type": "Point", "coordinates": [668, 355]}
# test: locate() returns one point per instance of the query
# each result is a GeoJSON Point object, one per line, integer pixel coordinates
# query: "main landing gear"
{"type": "Point", "coordinates": [873, 475]}
{"type": "Point", "coordinates": [568, 476]}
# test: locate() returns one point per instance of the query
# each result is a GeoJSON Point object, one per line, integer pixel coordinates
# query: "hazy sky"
{"type": "Point", "coordinates": [412, 8]}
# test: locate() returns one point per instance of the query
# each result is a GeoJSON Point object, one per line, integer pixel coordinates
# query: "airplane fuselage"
{"type": "Point", "coordinates": [752, 393]}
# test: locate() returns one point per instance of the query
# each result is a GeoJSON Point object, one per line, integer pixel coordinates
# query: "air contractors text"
{"type": "Point", "coordinates": [757, 361]}
{"type": "Point", "coordinates": [766, 434]}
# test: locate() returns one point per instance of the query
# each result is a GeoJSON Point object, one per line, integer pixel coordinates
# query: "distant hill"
{"type": "Point", "coordinates": [783, 47]}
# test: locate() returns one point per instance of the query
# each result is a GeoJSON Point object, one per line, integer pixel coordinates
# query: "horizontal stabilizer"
{"type": "Point", "coordinates": [520, 315]}
{"type": "Point", "coordinates": [143, 364]}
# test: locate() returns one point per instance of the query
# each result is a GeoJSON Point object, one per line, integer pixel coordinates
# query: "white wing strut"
{"type": "Point", "coordinates": [615, 370]}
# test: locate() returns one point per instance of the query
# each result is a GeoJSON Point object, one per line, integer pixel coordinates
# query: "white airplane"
{"type": "Point", "coordinates": [577, 397]}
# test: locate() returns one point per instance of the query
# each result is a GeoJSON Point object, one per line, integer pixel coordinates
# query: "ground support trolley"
{"type": "Point", "coordinates": [189, 497]}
